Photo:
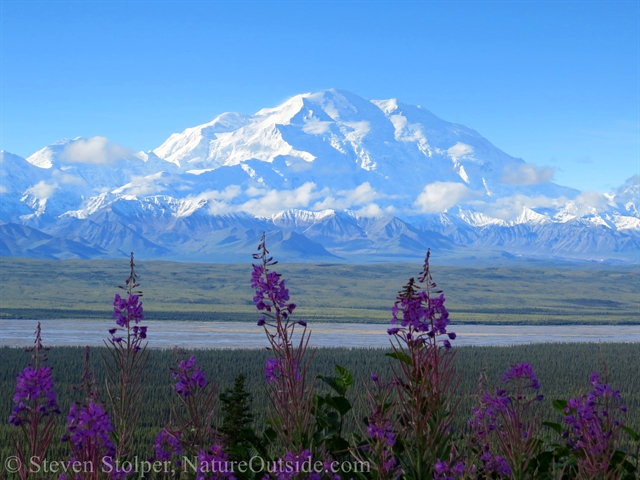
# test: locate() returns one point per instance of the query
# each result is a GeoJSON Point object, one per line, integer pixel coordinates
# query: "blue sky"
{"type": "Point", "coordinates": [555, 83]}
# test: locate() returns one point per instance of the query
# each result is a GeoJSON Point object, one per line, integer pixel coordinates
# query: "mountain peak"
{"type": "Point", "coordinates": [339, 169]}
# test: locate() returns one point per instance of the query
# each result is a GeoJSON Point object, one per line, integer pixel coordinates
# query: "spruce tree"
{"type": "Point", "coordinates": [236, 412]}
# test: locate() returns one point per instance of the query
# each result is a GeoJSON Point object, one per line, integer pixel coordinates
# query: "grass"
{"type": "Point", "coordinates": [33, 288]}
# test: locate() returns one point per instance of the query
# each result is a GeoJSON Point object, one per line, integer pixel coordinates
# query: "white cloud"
{"type": "Point", "coordinates": [297, 164]}
{"type": "Point", "coordinates": [344, 199]}
{"type": "Point", "coordinates": [373, 210]}
{"type": "Point", "coordinates": [255, 191]}
{"type": "Point", "coordinates": [508, 208]}
{"type": "Point", "coordinates": [440, 196]}
{"type": "Point", "coordinates": [67, 178]}
{"type": "Point", "coordinates": [217, 207]}
{"type": "Point", "coordinates": [363, 193]}
{"type": "Point", "coordinates": [3, 189]}
{"type": "Point", "coordinates": [94, 151]}
{"type": "Point", "coordinates": [360, 129]}
{"type": "Point", "coordinates": [218, 201]}
{"type": "Point", "coordinates": [141, 185]}
{"type": "Point", "coordinates": [42, 190]}
{"type": "Point", "coordinates": [525, 174]}
{"type": "Point", "coordinates": [266, 202]}
{"type": "Point", "coordinates": [315, 126]}
{"type": "Point", "coordinates": [587, 201]}
{"type": "Point", "coordinates": [459, 150]}
{"type": "Point", "coordinates": [227, 194]}
{"type": "Point", "coordinates": [274, 201]}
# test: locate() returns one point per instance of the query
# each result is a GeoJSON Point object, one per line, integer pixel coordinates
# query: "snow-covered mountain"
{"type": "Point", "coordinates": [329, 175]}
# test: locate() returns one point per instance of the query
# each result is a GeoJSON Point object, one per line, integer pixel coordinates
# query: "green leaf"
{"type": "Point", "coordinates": [542, 463]}
{"type": "Point", "coordinates": [273, 421]}
{"type": "Point", "coordinates": [556, 426]}
{"type": "Point", "coordinates": [632, 433]}
{"type": "Point", "coordinates": [618, 458]}
{"type": "Point", "coordinates": [270, 434]}
{"type": "Point", "coordinates": [334, 384]}
{"type": "Point", "coordinates": [340, 404]}
{"type": "Point", "coordinates": [346, 379]}
{"type": "Point", "coordinates": [560, 405]}
{"type": "Point", "coordinates": [323, 422]}
{"type": "Point", "coordinates": [338, 445]}
{"type": "Point", "coordinates": [318, 401]}
{"type": "Point", "coordinates": [401, 356]}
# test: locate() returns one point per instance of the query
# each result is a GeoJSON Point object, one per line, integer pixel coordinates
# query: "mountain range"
{"type": "Point", "coordinates": [330, 176]}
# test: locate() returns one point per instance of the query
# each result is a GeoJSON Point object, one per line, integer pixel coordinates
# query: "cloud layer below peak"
{"type": "Point", "coordinates": [94, 151]}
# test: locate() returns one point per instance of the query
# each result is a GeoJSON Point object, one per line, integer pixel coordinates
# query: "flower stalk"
{"type": "Point", "coordinates": [35, 409]}
{"type": "Point", "coordinates": [424, 377]}
{"type": "Point", "coordinates": [127, 349]}
{"type": "Point", "coordinates": [290, 395]}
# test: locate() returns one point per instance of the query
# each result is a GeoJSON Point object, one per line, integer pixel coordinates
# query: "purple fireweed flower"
{"type": "Point", "coordinates": [382, 441]}
{"type": "Point", "coordinates": [213, 463]}
{"type": "Point", "coordinates": [34, 392]}
{"type": "Point", "coordinates": [128, 314]}
{"type": "Point", "coordinates": [485, 417]}
{"type": "Point", "coordinates": [166, 445]}
{"type": "Point", "coordinates": [89, 430]}
{"type": "Point", "coordinates": [591, 428]}
{"type": "Point", "coordinates": [496, 464]}
{"type": "Point", "coordinates": [90, 425]}
{"type": "Point", "coordinates": [31, 384]}
{"type": "Point", "coordinates": [272, 369]}
{"type": "Point", "coordinates": [521, 371]}
{"type": "Point", "coordinates": [125, 311]}
{"type": "Point", "coordinates": [421, 316]}
{"type": "Point", "coordinates": [189, 377]}
{"type": "Point", "coordinates": [444, 471]}
{"type": "Point", "coordinates": [504, 421]}
{"type": "Point", "coordinates": [382, 433]}
{"type": "Point", "coordinates": [271, 293]}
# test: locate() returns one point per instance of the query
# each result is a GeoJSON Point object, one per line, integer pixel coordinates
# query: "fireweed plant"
{"type": "Point", "coordinates": [190, 431]}
{"type": "Point", "coordinates": [290, 394]}
{"type": "Point", "coordinates": [305, 425]}
{"type": "Point", "coordinates": [192, 415]}
{"type": "Point", "coordinates": [35, 409]}
{"type": "Point", "coordinates": [376, 447]}
{"type": "Point", "coordinates": [423, 377]}
{"type": "Point", "coordinates": [504, 433]}
{"type": "Point", "coordinates": [125, 363]}
{"type": "Point", "coordinates": [593, 433]}
{"type": "Point", "coordinates": [89, 435]}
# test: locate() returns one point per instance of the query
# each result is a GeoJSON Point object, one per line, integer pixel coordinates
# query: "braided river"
{"type": "Point", "coordinates": [212, 335]}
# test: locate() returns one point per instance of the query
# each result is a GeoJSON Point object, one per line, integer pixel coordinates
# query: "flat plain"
{"type": "Point", "coordinates": [534, 295]}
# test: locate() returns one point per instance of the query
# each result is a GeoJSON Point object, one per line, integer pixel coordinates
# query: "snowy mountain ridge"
{"type": "Point", "coordinates": [331, 174]}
